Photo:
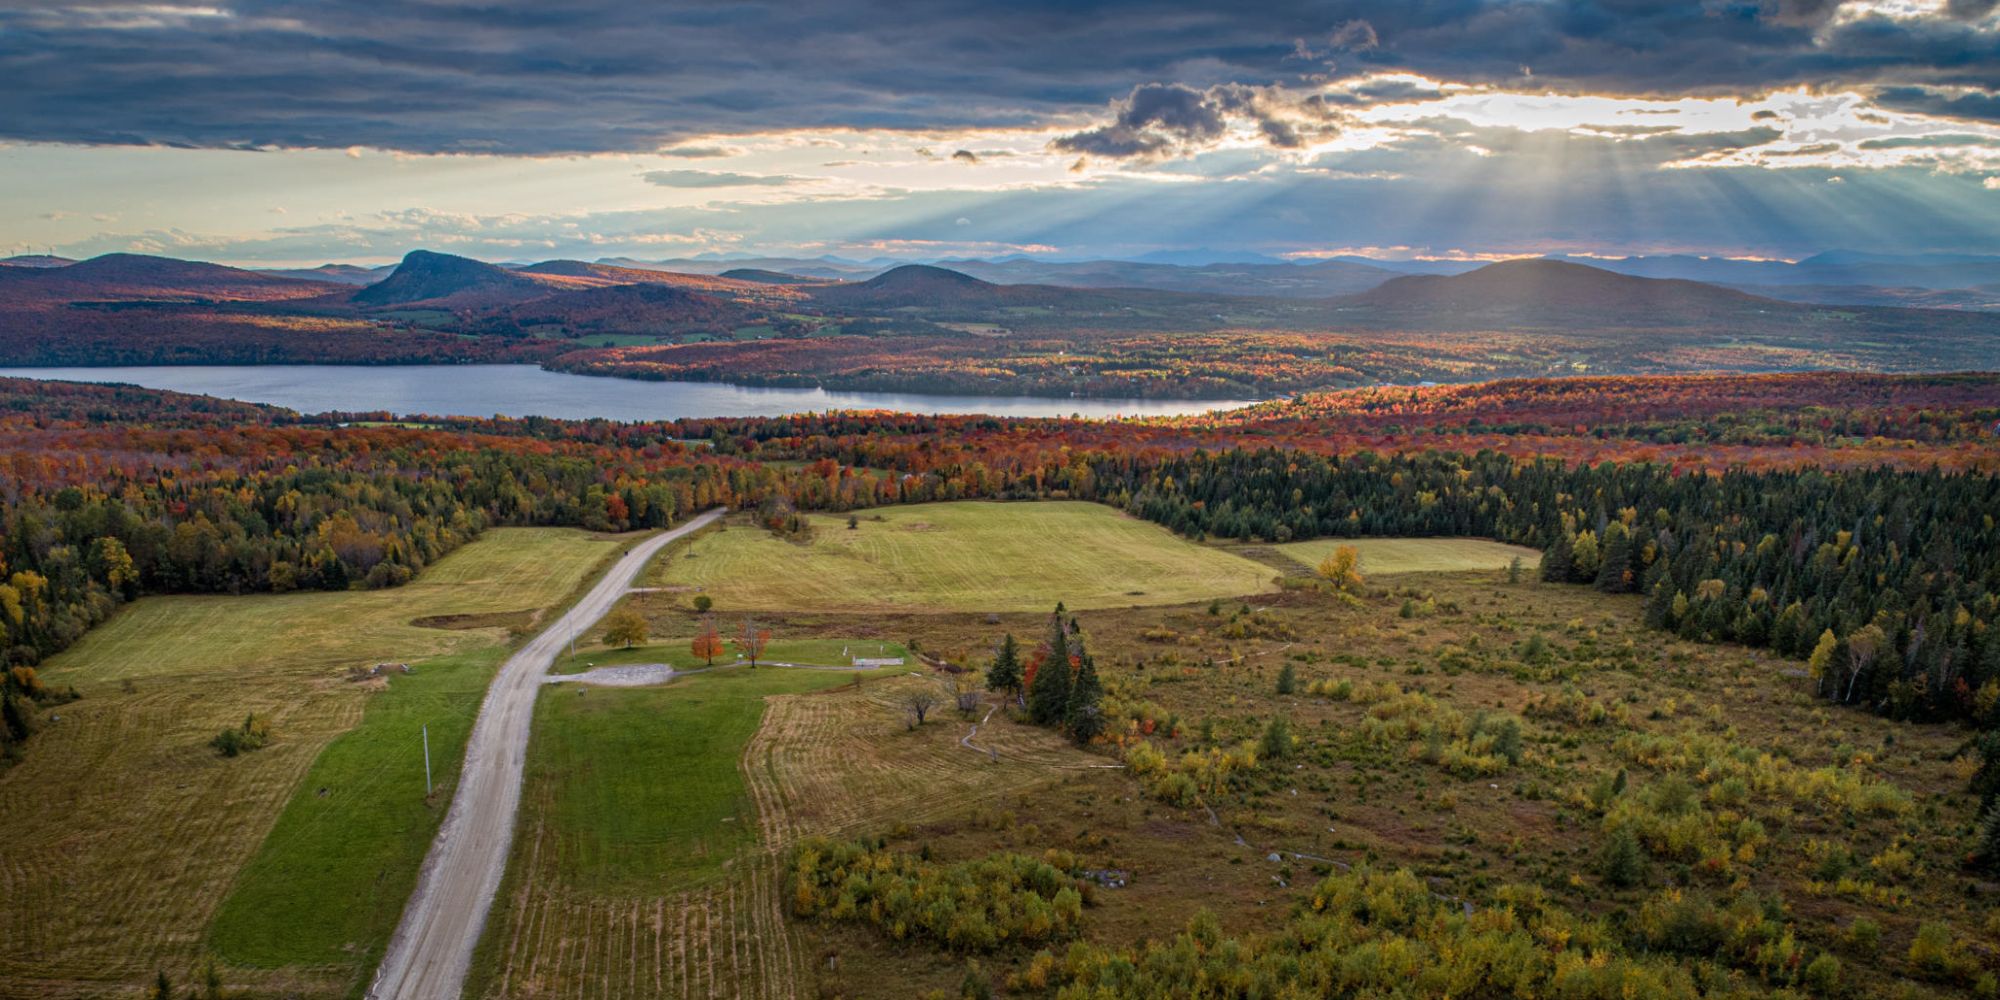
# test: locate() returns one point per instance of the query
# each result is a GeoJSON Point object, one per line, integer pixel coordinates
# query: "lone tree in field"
{"type": "Point", "coordinates": [964, 690]}
{"type": "Point", "coordinates": [1004, 675]}
{"type": "Point", "coordinates": [1342, 568]}
{"type": "Point", "coordinates": [919, 702]}
{"type": "Point", "coordinates": [1048, 696]}
{"type": "Point", "coordinates": [1288, 679]}
{"type": "Point", "coordinates": [707, 643]}
{"type": "Point", "coordinates": [751, 641]}
{"type": "Point", "coordinates": [625, 628]}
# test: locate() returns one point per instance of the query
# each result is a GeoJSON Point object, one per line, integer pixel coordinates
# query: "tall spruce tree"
{"type": "Point", "coordinates": [1085, 715]}
{"type": "Point", "coordinates": [1048, 700]}
{"type": "Point", "coordinates": [1004, 675]}
{"type": "Point", "coordinates": [1615, 560]}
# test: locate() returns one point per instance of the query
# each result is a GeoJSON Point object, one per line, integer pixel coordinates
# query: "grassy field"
{"type": "Point", "coordinates": [964, 556]}
{"type": "Point", "coordinates": [329, 882]}
{"type": "Point", "coordinates": [653, 819]}
{"type": "Point", "coordinates": [484, 588]}
{"type": "Point", "coordinates": [125, 831]}
{"type": "Point", "coordinates": [1385, 556]}
{"type": "Point", "coordinates": [642, 786]}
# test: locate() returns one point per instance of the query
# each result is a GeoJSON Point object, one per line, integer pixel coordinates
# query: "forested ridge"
{"type": "Point", "coordinates": [1885, 580]}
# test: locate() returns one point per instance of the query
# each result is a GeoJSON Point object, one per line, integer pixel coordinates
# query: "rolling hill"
{"type": "Point", "coordinates": [127, 277]}
{"type": "Point", "coordinates": [1318, 279]}
{"type": "Point", "coordinates": [635, 309]}
{"type": "Point", "coordinates": [1552, 292]}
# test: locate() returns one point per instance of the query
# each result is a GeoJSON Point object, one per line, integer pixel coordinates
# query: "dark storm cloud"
{"type": "Point", "coordinates": [555, 76]}
{"type": "Point", "coordinates": [1950, 141]}
{"type": "Point", "coordinates": [1978, 105]}
{"type": "Point", "coordinates": [1157, 118]}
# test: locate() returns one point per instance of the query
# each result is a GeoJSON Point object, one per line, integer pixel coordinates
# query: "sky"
{"type": "Point", "coordinates": [284, 134]}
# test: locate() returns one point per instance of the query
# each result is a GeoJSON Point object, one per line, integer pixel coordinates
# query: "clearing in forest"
{"type": "Point", "coordinates": [961, 556]}
{"type": "Point", "coordinates": [125, 829]}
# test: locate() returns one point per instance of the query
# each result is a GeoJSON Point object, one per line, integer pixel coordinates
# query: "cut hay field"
{"type": "Point", "coordinates": [652, 822]}
{"type": "Point", "coordinates": [125, 831]}
{"type": "Point", "coordinates": [960, 556]}
{"type": "Point", "coordinates": [1386, 556]}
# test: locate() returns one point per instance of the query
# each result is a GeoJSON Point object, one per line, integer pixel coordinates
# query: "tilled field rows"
{"type": "Point", "coordinates": [825, 763]}
{"type": "Point", "coordinates": [723, 939]}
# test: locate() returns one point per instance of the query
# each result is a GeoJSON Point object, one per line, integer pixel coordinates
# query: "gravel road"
{"type": "Point", "coordinates": [432, 949]}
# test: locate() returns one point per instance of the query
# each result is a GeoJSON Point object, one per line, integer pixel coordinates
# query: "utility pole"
{"type": "Point", "coordinates": [427, 761]}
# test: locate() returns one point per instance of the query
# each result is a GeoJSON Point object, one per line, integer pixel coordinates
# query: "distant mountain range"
{"type": "Point", "coordinates": [1838, 277]}
{"type": "Point", "coordinates": [129, 308]}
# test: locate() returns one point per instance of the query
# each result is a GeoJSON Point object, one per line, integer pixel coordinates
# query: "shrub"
{"type": "Point", "coordinates": [1864, 937]}
{"type": "Point", "coordinates": [1822, 974]}
{"type": "Point", "coordinates": [1623, 863]}
{"type": "Point", "coordinates": [1277, 743]}
{"type": "Point", "coordinates": [968, 906]}
{"type": "Point", "coordinates": [1936, 953]}
{"type": "Point", "coordinates": [253, 734]}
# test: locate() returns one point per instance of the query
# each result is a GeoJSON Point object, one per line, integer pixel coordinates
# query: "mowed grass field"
{"type": "Point", "coordinates": [329, 883]}
{"type": "Point", "coordinates": [1388, 556]}
{"type": "Point", "coordinates": [125, 830]}
{"type": "Point", "coordinates": [961, 556]}
{"type": "Point", "coordinates": [640, 786]}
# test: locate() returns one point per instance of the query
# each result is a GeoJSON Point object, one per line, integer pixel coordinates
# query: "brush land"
{"type": "Point", "coordinates": [1469, 742]}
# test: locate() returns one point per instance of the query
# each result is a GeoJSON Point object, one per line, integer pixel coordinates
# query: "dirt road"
{"type": "Point", "coordinates": [432, 949]}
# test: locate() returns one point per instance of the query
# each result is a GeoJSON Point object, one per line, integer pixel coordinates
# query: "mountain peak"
{"type": "Point", "coordinates": [448, 281]}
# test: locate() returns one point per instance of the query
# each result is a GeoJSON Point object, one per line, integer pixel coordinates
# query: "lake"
{"type": "Point", "coordinates": [526, 390]}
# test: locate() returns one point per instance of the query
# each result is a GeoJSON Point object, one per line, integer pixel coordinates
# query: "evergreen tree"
{"type": "Point", "coordinates": [1085, 716]}
{"type": "Point", "coordinates": [1277, 741]}
{"type": "Point", "coordinates": [1615, 560]}
{"type": "Point", "coordinates": [1048, 701]}
{"type": "Point", "coordinates": [1004, 675]}
{"type": "Point", "coordinates": [1557, 558]}
{"type": "Point", "coordinates": [1624, 862]}
{"type": "Point", "coordinates": [1288, 679]}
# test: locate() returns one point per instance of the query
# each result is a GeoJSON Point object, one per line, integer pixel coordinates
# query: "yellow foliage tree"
{"type": "Point", "coordinates": [625, 628]}
{"type": "Point", "coordinates": [1342, 567]}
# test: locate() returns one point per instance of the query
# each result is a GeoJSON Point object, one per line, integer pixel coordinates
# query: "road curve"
{"type": "Point", "coordinates": [431, 951]}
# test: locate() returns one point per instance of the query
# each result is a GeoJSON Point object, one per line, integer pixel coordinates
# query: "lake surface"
{"type": "Point", "coordinates": [526, 390]}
